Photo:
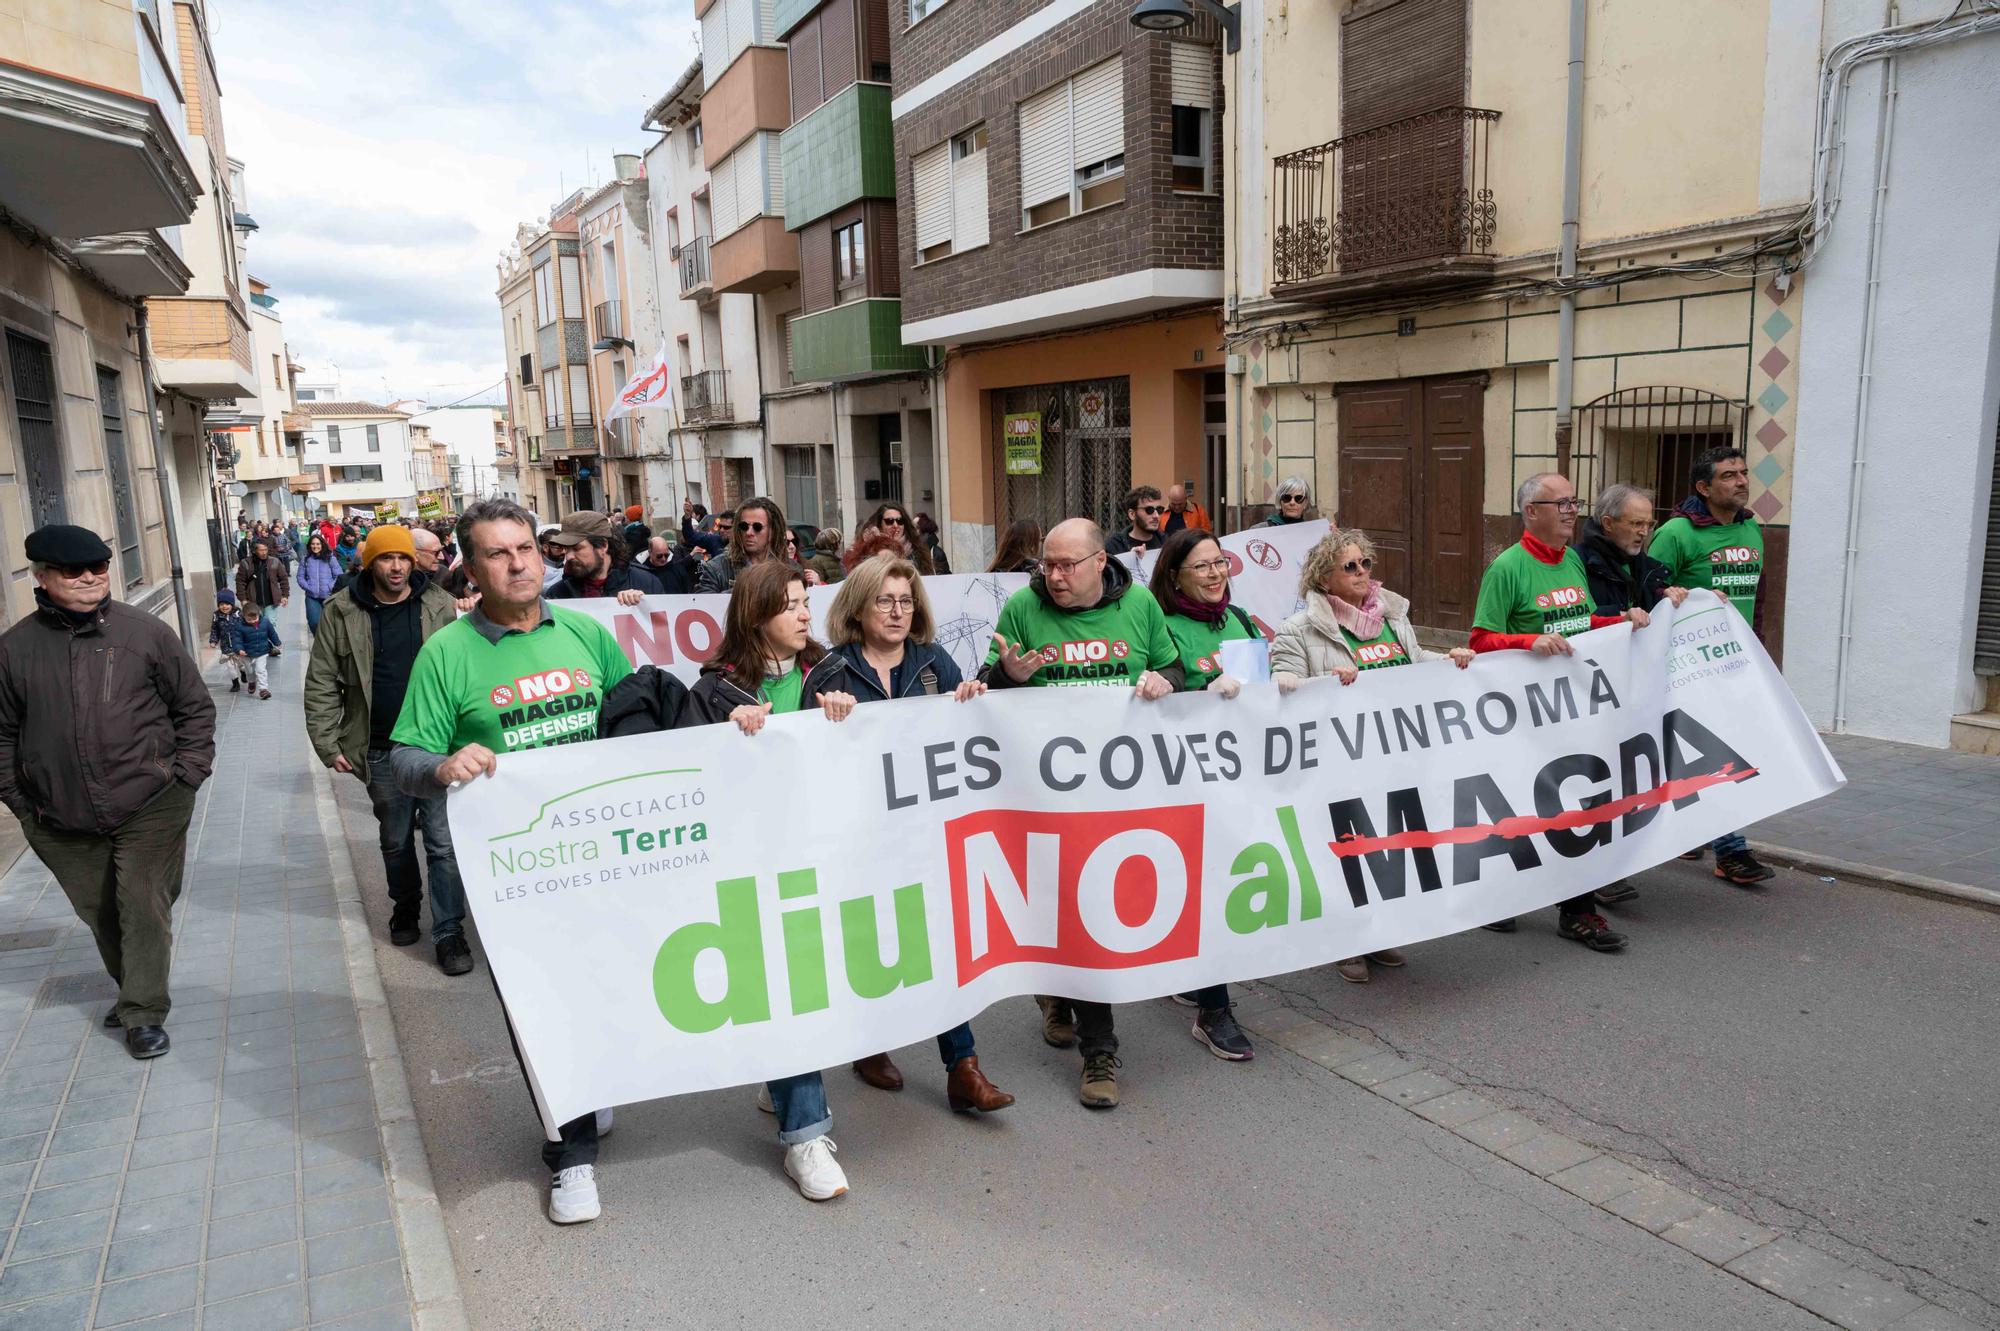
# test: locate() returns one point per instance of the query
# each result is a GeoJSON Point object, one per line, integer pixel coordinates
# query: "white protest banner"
{"type": "Point", "coordinates": [1263, 569]}
{"type": "Point", "coordinates": [676, 912]}
{"type": "Point", "coordinates": [678, 633]}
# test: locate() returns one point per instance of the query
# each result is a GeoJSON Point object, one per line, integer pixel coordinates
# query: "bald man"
{"type": "Point", "coordinates": [429, 550]}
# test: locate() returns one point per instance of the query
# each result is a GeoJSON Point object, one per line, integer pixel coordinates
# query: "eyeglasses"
{"type": "Point", "coordinates": [1291, 499]}
{"type": "Point", "coordinates": [1064, 568]}
{"type": "Point", "coordinates": [1152, 508]}
{"type": "Point", "coordinates": [1562, 505]}
{"type": "Point", "coordinates": [95, 569]}
{"type": "Point", "coordinates": [1209, 566]}
{"type": "Point", "coordinates": [1358, 565]}
{"type": "Point", "coordinates": [892, 522]}
{"type": "Point", "coordinates": [749, 526]}
{"type": "Point", "coordinates": [887, 604]}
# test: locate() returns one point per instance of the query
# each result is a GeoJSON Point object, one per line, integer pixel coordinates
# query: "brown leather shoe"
{"type": "Point", "coordinates": [967, 1089]}
{"type": "Point", "coordinates": [878, 1071]}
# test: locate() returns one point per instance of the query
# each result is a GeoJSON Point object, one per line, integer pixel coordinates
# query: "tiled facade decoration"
{"type": "Point", "coordinates": [1774, 391]}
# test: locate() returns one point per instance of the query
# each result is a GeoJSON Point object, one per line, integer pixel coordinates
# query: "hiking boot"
{"type": "Point", "coordinates": [573, 1195]}
{"type": "Point", "coordinates": [1058, 1022]}
{"type": "Point", "coordinates": [1741, 869]}
{"type": "Point", "coordinates": [1354, 970]}
{"type": "Point", "coordinates": [1388, 956]}
{"type": "Point", "coordinates": [1217, 1029]}
{"type": "Point", "coordinates": [1100, 1082]}
{"type": "Point", "coordinates": [264, 694]}
{"type": "Point", "coordinates": [236, 686]}
{"type": "Point", "coordinates": [403, 929]}
{"type": "Point", "coordinates": [813, 1168]}
{"type": "Point", "coordinates": [967, 1089]}
{"type": "Point", "coordinates": [1591, 931]}
{"type": "Point", "coordinates": [1615, 894]}
{"type": "Point", "coordinates": [454, 954]}
{"type": "Point", "coordinates": [1506, 926]}
{"type": "Point", "coordinates": [879, 1071]}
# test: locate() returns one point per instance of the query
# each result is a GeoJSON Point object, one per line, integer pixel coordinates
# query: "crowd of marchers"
{"type": "Point", "coordinates": [420, 637]}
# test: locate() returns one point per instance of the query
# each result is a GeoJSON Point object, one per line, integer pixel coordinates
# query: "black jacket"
{"type": "Point", "coordinates": [927, 669]}
{"type": "Point", "coordinates": [677, 577]}
{"type": "Point", "coordinates": [644, 702]}
{"type": "Point", "coordinates": [1618, 581]}
{"type": "Point", "coordinates": [1121, 543]}
{"type": "Point", "coordinates": [616, 580]}
{"type": "Point", "coordinates": [98, 716]}
{"type": "Point", "coordinates": [713, 697]}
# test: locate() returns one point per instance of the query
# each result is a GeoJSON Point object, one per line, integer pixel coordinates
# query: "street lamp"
{"type": "Point", "coordinates": [1173, 15]}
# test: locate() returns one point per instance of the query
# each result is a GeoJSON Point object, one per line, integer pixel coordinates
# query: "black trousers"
{"type": "Point", "coordinates": [579, 1136]}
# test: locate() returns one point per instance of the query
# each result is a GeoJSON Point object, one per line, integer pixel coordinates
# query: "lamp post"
{"type": "Point", "coordinates": [1173, 15]}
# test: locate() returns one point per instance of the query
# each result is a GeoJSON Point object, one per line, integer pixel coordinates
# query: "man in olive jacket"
{"type": "Point", "coordinates": [369, 635]}
{"type": "Point", "coordinates": [106, 732]}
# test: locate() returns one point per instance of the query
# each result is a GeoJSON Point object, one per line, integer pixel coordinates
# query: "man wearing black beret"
{"type": "Point", "coordinates": [106, 732]}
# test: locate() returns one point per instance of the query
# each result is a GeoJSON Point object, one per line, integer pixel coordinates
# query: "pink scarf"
{"type": "Point", "coordinates": [1363, 621]}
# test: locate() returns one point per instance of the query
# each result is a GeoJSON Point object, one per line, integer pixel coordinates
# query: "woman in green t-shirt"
{"type": "Point", "coordinates": [1351, 623]}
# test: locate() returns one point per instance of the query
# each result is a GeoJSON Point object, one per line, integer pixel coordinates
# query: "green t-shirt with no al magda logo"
{"type": "Point", "coordinates": [1725, 557]}
{"type": "Point", "coordinates": [1521, 594]}
{"type": "Point", "coordinates": [1379, 652]}
{"type": "Point", "coordinates": [1200, 645]}
{"type": "Point", "coordinates": [526, 691]}
{"type": "Point", "coordinates": [1113, 643]}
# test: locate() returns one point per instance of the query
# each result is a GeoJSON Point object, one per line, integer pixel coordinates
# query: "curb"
{"type": "Point", "coordinates": [1808, 862]}
{"type": "Point", "coordinates": [427, 1257]}
{"type": "Point", "coordinates": [1780, 1264]}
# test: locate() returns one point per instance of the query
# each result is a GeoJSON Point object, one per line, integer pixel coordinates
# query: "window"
{"type": "Point", "coordinates": [356, 475]}
{"type": "Point", "coordinates": [278, 370]}
{"type": "Point", "coordinates": [728, 28]}
{"type": "Point", "coordinates": [579, 395]}
{"type": "Point", "coordinates": [1193, 116]}
{"type": "Point", "coordinates": [850, 261]}
{"type": "Point", "coordinates": [374, 439]}
{"type": "Point", "coordinates": [694, 143]}
{"type": "Point", "coordinates": [552, 398]}
{"type": "Point", "coordinates": [1073, 146]}
{"type": "Point", "coordinates": [118, 463]}
{"type": "Point", "coordinates": [572, 286]}
{"type": "Point", "coordinates": [607, 281]}
{"type": "Point", "coordinates": [333, 438]}
{"type": "Point", "coordinates": [545, 296]}
{"type": "Point", "coordinates": [920, 8]}
{"type": "Point", "coordinates": [950, 187]}
{"type": "Point", "coordinates": [801, 485]}
{"type": "Point", "coordinates": [308, 394]}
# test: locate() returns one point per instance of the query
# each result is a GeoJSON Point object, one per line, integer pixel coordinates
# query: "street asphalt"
{"type": "Point", "coordinates": [1808, 1056]}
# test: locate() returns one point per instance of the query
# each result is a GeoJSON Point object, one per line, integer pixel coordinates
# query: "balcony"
{"type": "Point", "coordinates": [202, 347]}
{"type": "Point", "coordinates": [761, 256]}
{"type": "Point", "coordinates": [693, 259]}
{"type": "Point", "coordinates": [851, 341]}
{"type": "Point", "coordinates": [81, 159]}
{"type": "Point", "coordinates": [609, 318]}
{"type": "Point", "coordinates": [842, 151]}
{"type": "Point", "coordinates": [704, 398]}
{"type": "Point", "coordinates": [1404, 206]}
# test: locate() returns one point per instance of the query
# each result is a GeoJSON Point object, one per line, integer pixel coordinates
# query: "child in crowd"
{"type": "Point", "coordinates": [222, 631]}
{"type": "Point", "coordinates": [254, 641]}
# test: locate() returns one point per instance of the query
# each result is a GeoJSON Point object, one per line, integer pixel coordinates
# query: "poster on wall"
{"type": "Point", "coordinates": [1093, 409]}
{"type": "Point", "coordinates": [1023, 431]}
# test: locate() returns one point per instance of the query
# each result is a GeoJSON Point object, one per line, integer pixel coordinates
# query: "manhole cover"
{"type": "Point", "coordinates": [66, 990]}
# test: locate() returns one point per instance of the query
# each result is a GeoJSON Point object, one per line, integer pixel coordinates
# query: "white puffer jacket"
{"type": "Point", "coordinates": [1311, 644]}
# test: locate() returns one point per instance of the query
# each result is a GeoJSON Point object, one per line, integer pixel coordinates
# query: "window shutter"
{"type": "Point", "coordinates": [767, 21]}
{"type": "Point", "coordinates": [572, 287]}
{"type": "Point", "coordinates": [722, 207]}
{"type": "Point", "coordinates": [968, 200]}
{"type": "Point", "coordinates": [579, 392]}
{"type": "Point", "coordinates": [931, 174]}
{"type": "Point", "coordinates": [773, 198]}
{"type": "Point", "coordinates": [714, 41]}
{"type": "Point", "coordinates": [1099, 108]}
{"type": "Point", "coordinates": [1045, 154]}
{"type": "Point", "coordinates": [1193, 75]}
{"type": "Point", "coordinates": [1400, 60]}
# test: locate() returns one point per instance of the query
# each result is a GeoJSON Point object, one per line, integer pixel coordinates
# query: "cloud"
{"type": "Point", "coordinates": [390, 150]}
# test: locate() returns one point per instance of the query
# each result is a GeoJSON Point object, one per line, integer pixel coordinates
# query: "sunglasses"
{"type": "Point", "coordinates": [892, 522]}
{"type": "Point", "coordinates": [1291, 499]}
{"type": "Point", "coordinates": [1358, 565]}
{"type": "Point", "coordinates": [1152, 508]}
{"type": "Point", "coordinates": [96, 568]}
{"type": "Point", "coordinates": [749, 526]}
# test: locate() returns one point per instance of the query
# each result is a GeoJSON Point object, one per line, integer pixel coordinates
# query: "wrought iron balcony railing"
{"type": "Point", "coordinates": [694, 265]}
{"type": "Point", "coordinates": [704, 398]}
{"type": "Point", "coordinates": [1406, 193]}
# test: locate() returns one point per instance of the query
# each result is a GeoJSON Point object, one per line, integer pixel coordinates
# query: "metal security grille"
{"type": "Point", "coordinates": [1086, 460]}
{"type": "Point", "coordinates": [118, 463]}
{"type": "Point", "coordinates": [1649, 436]}
{"type": "Point", "coordinates": [1986, 640]}
{"type": "Point", "coordinates": [35, 411]}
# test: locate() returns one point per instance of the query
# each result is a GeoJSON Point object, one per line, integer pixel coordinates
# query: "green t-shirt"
{"type": "Point", "coordinates": [1521, 594]}
{"type": "Point", "coordinates": [1200, 645]}
{"type": "Point", "coordinates": [526, 691]}
{"type": "Point", "coordinates": [1728, 558]}
{"type": "Point", "coordinates": [1113, 643]}
{"type": "Point", "coordinates": [784, 691]}
{"type": "Point", "coordinates": [1379, 652]}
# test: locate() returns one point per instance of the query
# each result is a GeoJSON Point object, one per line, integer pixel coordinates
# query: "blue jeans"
{"type": "Point", "coordinates": [956, 1043]}
{"type": "Point", "coordinates": [800, 1103]}
{"type": "Point", "coordinates": [1729, 843]}
{"type": "Point", "coordinates": [397, 818]}
{"type": "Point", "coordinates": [314, 608]}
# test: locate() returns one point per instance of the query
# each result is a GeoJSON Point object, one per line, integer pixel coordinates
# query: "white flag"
{"type": "Point", "coordinates": [650, 387]}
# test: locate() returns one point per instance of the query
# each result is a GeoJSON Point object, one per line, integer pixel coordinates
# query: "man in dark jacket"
{"type": "Point", "coordinates": [692, 537]}
{"type": "Point", "coordinates": [106, 732]}
{"type": "Point", "coordinates": [1144, 512]}
{"type": "Point", "coordinates": [261, 579]}
{"type": "Point", "coordinates": [589, 569]}
{"type": "Point", "coordinates": [673, 570]}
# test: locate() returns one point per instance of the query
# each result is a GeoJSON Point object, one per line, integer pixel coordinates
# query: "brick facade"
{"type": "Point", "coordinates": [1153, 227]}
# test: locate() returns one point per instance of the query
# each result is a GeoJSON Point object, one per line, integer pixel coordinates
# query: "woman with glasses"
{"type": "Point", "coordinates": [881, 626]}
{"type": "Point", "coordinates": [1293, 503]}
{"type": "Point", "coordinates": [1351, 623]}
{"type": "Point", "coordinates": [894, 520]}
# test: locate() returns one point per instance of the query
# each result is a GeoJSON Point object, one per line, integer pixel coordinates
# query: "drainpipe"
{"type": "Point", "coordinates": [1566, 258]}
{"type": "Point", "coordinates": [169, 510]}
{"type": "Point", "coordinates": [1885, 133]}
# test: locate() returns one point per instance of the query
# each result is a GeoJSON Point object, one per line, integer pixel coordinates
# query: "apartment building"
{"type": "Point", "coordinates": [525, 427]}
{"type": "Point", "coordinates": [1059, 173]}
{"type": "Point", "coordinates": [548, 346]}
{"type": "Point", "coordinates": [367, 458]}
{"type": "Point", "coordinates": [614, 229]}
{"type": "Point", "coordinates": [265, 456]}
{"type": "Point", "coordinates": [473, 437]}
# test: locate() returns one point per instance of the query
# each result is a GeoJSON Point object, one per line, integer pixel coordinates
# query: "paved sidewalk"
{"type": "Point", "coordinates": [1908, 815]}
{"type": "Point", "coordinates": [238, 1181]}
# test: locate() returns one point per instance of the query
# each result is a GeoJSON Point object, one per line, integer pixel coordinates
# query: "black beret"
{"type": "Point", "coordinates": [60, 543]}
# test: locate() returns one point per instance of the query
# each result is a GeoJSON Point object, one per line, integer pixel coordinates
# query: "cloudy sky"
{"type": "Point", "coordinates": [390, 147]}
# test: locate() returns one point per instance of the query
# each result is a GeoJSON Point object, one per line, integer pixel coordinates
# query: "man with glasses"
{"type": "Point", "coordinates": [758, 523]}
{"type": "Point", "coordinates": [1145, 511]}
{"type": "Point", "coordinates": [1534, 597]}
{"type": "Point", "coordinates": [1082, 595]}
{"type": "Point", "coordinates": [1713, 541]}
{"type": "Point", "coordinates": [106, 732]}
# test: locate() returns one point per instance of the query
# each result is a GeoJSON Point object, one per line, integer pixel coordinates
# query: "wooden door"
{"type": "Point", "coordinates": [1380, 426]}
{"type": "Point", "coordinates": [1453, 485]}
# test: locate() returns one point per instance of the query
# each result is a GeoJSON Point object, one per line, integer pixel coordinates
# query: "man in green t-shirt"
{"type": "Point", "coordinates": [1081, 620]}
{"type": "Point", "coordinates": [514, 674]}
{"type": "Point", "coordinates": [1534, 597]}
{"type": "Point", "coordinates": [1713, 541]}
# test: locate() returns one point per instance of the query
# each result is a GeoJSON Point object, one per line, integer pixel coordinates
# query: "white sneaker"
{"type": "Point", "coordinates": [812, 1167]}
{"type": "Point", "coordinates": [764, 1099]}
{"type": "Point", "coordinates": [603, 1123]}
{"type": "Point", "coordinates": [573, 1196]}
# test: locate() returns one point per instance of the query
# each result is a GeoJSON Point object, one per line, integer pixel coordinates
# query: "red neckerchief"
{"type": "Point", "coordinates": [1544, 554]}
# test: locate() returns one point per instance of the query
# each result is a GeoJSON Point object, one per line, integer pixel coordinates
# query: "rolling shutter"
{"type": "Point", "coordinates": [722, 205]}
{"type": "Point", "coordinates": [1098, 105]}
{"type": "Point", "coordinates": [1045, 146]}
{"type": "Point", "coordinates": [714, 42]}
{"type": "Point", "coordinates": [968, 200]}
{"type": "Point", "coordinates": [930, 180]}
{"type": "Point", "coordinates": [1193, 75]}
{"type": "Point", "coordinates": [771, 197]}
{"type": "Point", "coordinates": [1986, 639]}
{"type": "Point", "coordinates": [1399, 60]}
